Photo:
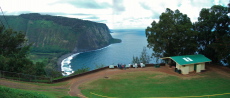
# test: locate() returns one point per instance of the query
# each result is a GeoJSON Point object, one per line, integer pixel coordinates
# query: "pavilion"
{"type": "Point", "coordinates": [188, 63]}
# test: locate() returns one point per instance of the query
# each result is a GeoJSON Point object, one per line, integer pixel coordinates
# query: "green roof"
{"type": "Point", "coordinates": [190, 59]}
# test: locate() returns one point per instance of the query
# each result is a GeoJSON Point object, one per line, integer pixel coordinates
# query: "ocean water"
{"type": "Point", "coordinates": [133, 42]}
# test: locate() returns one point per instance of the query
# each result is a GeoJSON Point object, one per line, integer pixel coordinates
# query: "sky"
{"type": "Point", "coordinates": [116, 14]}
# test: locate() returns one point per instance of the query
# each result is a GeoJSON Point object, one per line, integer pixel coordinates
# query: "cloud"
{"type": "Point", "coordinates": [145, 6]}
{"type": "Point", "coordinates": [102, 21]}
{"type": "Point", "coordinates": [80, 14]}
{"type": "Point", "coordinates": [87, 4]}
{"type": "Point", "coordinates": [115, 13]}
{"type": "Point", "coordinates": [92, 17]}
{"type": "Point", "coordinates": [118, 6]}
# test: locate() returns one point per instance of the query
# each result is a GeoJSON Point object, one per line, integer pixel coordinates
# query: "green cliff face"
{"type": "Point", "coordinates": [60, 34]}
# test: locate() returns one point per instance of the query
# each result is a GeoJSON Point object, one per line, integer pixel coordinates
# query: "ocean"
{"type": "Point", "coordinates": [133, 42]}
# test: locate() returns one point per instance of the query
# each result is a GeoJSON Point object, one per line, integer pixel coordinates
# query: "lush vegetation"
{"type": "Point", "coordinates": [157, 84]}
{"type": "Point", "coordinates": [14, 52]}
{"type": "Point", "coordinates": [44, 39]}
{"type": "Point", "coordinates": [36, 90]}
{"type": "Point", "coordinates": [15, 57]}
{"type": "Point", "coordinates": [16, 93]}
{"type": "Point", "coordinates": [172, 35]}
{"type": "Point", "coordinates": [55, 34]}
{"type": "Point", "coordinates": [49, 60]}
{"type": "Point", "coordinates": [214, 33]}
{"type": "Point", "coordinates": [175, 34]}
{"type": "Point", "coordinates": [52, 36]}
{"type": "Point", "coordinates": [46, 36]}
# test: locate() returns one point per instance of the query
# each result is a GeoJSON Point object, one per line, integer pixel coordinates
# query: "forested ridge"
{"type": "Point", "coordinates": [55, 33]}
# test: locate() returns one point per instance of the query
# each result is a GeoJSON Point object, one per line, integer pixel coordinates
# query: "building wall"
{"type": "Point", "coordinates": [200, 66]}
{"type": "Point", "coordinates": [178, 66]}
{"type": "Point", "coordinates": [184, 69]}
{"type": "Point", "coordinates": [191, 67]}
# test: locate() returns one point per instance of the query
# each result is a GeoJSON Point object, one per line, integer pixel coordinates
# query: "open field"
{"type": "Point", "coordinates": [160, 84]}
{"type": "Point", "coordinates": [157, 84]}
{"type": "Point", "coordinates": [57, 90]}
{"type": "Point", "coordinates": [135, 83]}
{"type": "Point", "coordinates": [15, 93]}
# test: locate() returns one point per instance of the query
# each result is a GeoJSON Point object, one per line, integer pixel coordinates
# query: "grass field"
{"type": "Point", "coordinates": [6, 92]}
{"type": "Point", "coordinates": [157, 84]}
{"type": "Point", "coordinates": [35, 90]}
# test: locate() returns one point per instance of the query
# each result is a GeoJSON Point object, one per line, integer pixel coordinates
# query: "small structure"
{"type": "Point", "coordinates": [111, 66]}
{"type": "Point", "coordinates": [188, 63]}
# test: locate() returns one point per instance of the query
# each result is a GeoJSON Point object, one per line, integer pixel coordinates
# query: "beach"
{"type": "Point", "coordinates": [63, 57]}
{"type": "Point", "coordinates": [60, 59]}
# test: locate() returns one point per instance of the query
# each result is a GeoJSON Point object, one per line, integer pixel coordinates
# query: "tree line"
{"type": "Point", "coordinates": [174, 34]}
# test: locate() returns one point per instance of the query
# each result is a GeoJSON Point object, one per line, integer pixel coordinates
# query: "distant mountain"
{"type": "Point", "coordinates": [57, 34]}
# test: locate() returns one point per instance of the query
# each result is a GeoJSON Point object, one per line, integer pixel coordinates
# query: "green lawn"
{"type": "Point", "coordinates": [36, 90]}
{"type": "Point", "coordinates": [156, 84]}
{"type": "Point", "coordinates": [6, 92]}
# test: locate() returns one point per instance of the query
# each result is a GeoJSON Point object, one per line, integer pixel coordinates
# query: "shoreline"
{"type": "Point", "coordinates": [60, 59]}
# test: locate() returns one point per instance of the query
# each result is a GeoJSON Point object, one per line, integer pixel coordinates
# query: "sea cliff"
{"type": "Point", "coordinates": [57, 34]}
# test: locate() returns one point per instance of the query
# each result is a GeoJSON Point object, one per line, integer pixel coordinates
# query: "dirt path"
{"type": "Point", "coordinates": [73, 84]}
{"type": "Point", "coordinates": [224, 71]}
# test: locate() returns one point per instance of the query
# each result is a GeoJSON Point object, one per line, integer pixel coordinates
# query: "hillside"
{"type": "Point", "coordinates": [53, 34]}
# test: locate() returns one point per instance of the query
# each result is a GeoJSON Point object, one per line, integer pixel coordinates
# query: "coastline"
{"type": "Point", "coordinates": [60, 59]}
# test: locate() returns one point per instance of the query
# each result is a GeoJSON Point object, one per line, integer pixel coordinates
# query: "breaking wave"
{"type": "Point", "coordinates": [65, 64]}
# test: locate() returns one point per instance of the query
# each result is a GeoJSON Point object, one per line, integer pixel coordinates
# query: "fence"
{"type": "Point", "coordinates": [24, 77]}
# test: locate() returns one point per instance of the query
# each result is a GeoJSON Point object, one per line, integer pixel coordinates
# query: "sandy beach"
{"type": "Point", "coordinates": [60, 59]}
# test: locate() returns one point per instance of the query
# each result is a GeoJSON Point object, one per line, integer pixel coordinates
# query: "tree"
{"type": "Point", "coordinates": [13, 54]}
{"type": "Point", "coordinates": [172, 35]}
{"type": "Point", "coordinates": [214, 36]}
{"type": "Point", "coordinates": [13, 43]}
{"type": "Point", "coordinates": [144, 57]}
{"type": "Point", "coordinates": [136, 60]}
{"type": "Point", "coordinates": [13, 50]}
